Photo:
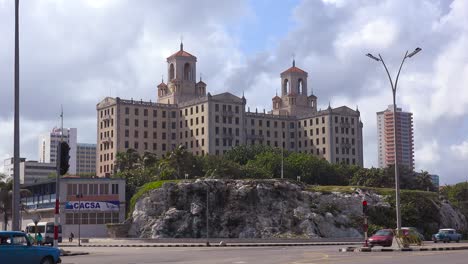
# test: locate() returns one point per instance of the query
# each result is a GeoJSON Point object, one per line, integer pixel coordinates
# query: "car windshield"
{"type": "Point", "coordinates": [383, 233]}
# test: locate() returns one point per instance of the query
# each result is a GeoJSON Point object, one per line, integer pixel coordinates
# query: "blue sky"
{"type": "Point", "coordinates": [77, 52]}
{"type": "Point", "coordinates": [269, 21]}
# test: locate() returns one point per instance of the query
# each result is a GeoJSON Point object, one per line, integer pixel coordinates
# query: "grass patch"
{"type": "Point", "coordinates": [145, 189]}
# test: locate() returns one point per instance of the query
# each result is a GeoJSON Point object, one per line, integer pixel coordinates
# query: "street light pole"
{"type": "Point", "coordinates": [79, 196]}
{"type": "Point", "coordinates": [394, 89]}
{"type": "Point", "coordinates": [15, 224]}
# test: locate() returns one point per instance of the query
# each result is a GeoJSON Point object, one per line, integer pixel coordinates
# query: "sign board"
{"type": "Point", "coordinates": [93, 206]}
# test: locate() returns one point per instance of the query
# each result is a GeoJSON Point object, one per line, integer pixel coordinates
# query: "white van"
{"type": "Point", "coordinates": [47, 231]}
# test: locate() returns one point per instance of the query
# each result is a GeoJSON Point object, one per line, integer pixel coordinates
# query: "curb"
{"type": "Point", "coordinates": [67, 254]}
{"type": "Point", "coordinates": [218, 245]}
{"type": "Point", "coordinates": [366, 249]}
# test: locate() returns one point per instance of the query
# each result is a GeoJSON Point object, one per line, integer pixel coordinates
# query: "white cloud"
{"type": "Point", "coordinates": [460, 152]}
{"type": "Point", "coordinates": [428, 155]}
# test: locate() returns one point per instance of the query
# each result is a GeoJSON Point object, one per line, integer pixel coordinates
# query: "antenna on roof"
{"type": "Point", "coordinates": [201, 75]}
{"type": "Point", "coordinates": [294, 60]}
{"type": "Point", "coordinates": [181, 42]}
{"type": "Point", "coordinates": [162, 78]}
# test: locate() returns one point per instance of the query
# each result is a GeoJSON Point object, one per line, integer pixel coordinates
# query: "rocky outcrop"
{"type": "Point", "coordinates": [254, 209]}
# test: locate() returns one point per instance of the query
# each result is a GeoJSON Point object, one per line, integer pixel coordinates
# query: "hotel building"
{"type": "Point", "coordinates": [185, 114]}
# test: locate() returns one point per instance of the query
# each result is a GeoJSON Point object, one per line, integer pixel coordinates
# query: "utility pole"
{"type": "Point", "coordinates": [16, 149]}
{"type": "Point", "coordinates": [207, 215]}
{"type": "Point", "coordinates": [282, 155]}
{"type": "Point", "coordinates": [57, 183]}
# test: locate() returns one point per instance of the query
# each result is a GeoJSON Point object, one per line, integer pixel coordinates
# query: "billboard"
{"type": "Point", "coordinates": [93, 205]}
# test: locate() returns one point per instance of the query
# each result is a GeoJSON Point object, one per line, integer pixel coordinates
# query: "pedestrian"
{"type": "Point", "coordinates": [31, 239]}
{"type": "Point", "coordinates": [39, 239]}
{"type": "Point", "coordinates": [70, 238]}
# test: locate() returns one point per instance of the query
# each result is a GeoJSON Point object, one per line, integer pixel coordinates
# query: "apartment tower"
{"type": "Point", "coordinates": [405, 142]}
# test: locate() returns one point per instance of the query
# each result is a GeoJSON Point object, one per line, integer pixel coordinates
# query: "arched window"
{"type": "Point", "coordinates": [171, 72]}
{"type": "Point", "coordinates": [286, 89]}
{"type": "Point", "coordinates": [300, 87]}
{"type": "Point", "coordinates": [187, 72]}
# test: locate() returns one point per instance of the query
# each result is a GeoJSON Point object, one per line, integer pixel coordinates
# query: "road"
{"type": "Point", "coordinates": [260, 255]}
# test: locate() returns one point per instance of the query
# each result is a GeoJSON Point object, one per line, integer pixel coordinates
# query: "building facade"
{"type": "Point", "coordinates": [85, 158]}
{"type": "Point", "coordinates": [30, 171]}
{"type": "Point", "coordinates": [102, 202]}
{"type": "Point", "coordinates": [185, 114]}
{"type": "Point", "coordinates": [405, 141]}
{"type": "Point", "coordinates": [48, 143]}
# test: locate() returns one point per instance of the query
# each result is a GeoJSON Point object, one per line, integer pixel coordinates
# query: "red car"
{"type": "Point", "coordinates": [383, 237]}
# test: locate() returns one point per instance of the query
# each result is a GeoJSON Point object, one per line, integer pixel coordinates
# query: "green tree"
{"type": "Point", "coordinates": [127, 160]}
{"type": "Point", "coordinates": [219, 167]}
{"type": "Point", "coordinates": [424, 181]}
{"type": "Point", "coordinates": [6, 196]}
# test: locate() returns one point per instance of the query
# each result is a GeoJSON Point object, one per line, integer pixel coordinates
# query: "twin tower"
{"type": "Point", "coordinates": [182, 86]}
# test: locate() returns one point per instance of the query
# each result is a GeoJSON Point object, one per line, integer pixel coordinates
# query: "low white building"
{"type": "Point", "coordinates": [30, 171]}
{"type": "Point", "coordinates": [102, 202]}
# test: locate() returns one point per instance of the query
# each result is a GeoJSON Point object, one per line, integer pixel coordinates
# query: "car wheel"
{"type": "Point", "coordinates": [435, 241]}
{"type": "Point", "coordinates": [47, 260]}
{"type": "Point", "coordinates": [458, 241]}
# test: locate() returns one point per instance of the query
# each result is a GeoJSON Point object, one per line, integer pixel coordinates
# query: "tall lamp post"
{"type": "Point", "coordinates": [394, 89]}
{"type": "Point", "coordinates": [15, 223]}
{"type": "Point", "coordinates": [79, 197]}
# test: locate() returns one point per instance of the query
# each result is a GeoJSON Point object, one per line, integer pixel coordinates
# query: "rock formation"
{"type": "Point", "coordinates": [255, 209]}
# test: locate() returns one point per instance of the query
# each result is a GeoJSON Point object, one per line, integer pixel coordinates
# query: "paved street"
{"type": "Point", "coordinates": [259, 255]}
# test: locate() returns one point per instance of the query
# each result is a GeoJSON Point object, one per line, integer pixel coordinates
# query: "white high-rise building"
{"type": "Point", "coordinates": [86, 158]}
{"type": "Point", "coordinates": [48, 146]}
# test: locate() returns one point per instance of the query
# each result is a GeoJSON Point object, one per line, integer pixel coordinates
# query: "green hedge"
{"type": "Point", "coordinates": [143, 190]}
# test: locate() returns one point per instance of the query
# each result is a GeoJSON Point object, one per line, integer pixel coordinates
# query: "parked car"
{"type": "Point", "coordinates": [447, 235]}
{"type": "Point", "coordinates": [383, 237]}
{"type": "Point", "coordinates": [15, 248]}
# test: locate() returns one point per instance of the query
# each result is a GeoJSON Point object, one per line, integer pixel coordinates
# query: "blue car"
{"type": "Point", "coordinates": [15, 248]}
{"type": "Point", "coordinates": [447, 235]}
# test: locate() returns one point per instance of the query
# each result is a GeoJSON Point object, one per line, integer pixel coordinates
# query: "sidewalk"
{"type": "Point", "coordinates": [220, 242]}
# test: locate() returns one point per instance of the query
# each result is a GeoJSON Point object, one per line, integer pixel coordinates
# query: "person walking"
{"type": "Point", "coordinates": [39, 239]}
{"type": "Point", "coordinates": [70, 238]}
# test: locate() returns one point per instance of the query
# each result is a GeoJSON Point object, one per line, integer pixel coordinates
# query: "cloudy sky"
{"type": "Point", "coordinates": [77, 52]}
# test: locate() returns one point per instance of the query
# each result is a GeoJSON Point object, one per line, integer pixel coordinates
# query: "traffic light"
{"type": "Point", "coordinates": [64, 157]}
{"type": "Point", "coordinates": [364, 208]}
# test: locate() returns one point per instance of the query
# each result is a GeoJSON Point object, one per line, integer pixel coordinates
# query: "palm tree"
{"type": "Point", "coordinates": [424, 181]}
{"type": "Point", "coordinates": [6, 196]}
{"type": "Point", "coordinates": [127, 160]}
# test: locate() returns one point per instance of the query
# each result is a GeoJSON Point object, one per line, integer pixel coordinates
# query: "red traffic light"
{"type": "Point", "coordinates": [364, 203]}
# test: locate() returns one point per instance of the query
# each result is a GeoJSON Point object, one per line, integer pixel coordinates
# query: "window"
{"type": "Point", "coordinates": [323, 130]}
{"type": "Point", "coordinates": [164, 114]}
{"type": "Point", "coordinates": [145, 123]}
{"type": "Point", "coordinates": [127, 122]}
{"type": "Point", "coordinates": [136, 111]}
{"type": "Point", "coordinates": [127, 110]}
{"type": "Point", "coordinates": [217, 107]}
{"type": "Point", "coordinates": [136, 122]}
{"type": "Point", "coordinates": [115, 188]}
{"type": "Point", "coordinates": [155, 124]}
{"type": "Point", "coordinates": [145, 112]}
{"type": "Point", "coordinates": [155, 113]}
{"type": "Point", "coordinates": [323, 120]}
{"type": "Point", "coordinates": [103, 189]}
